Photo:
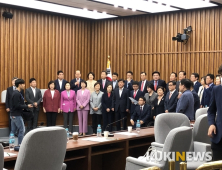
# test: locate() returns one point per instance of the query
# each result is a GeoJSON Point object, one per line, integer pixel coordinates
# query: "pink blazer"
{"type": "Point", "coordinates": [83, 99]}
{"type": "Point", "coordinates": [68, 102]}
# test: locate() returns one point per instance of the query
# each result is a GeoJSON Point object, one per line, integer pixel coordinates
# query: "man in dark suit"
{"type": "Point", "coordinates": [8, 99]}
{"type": "Point", "coordinates": [182, 75]}
{"type": "Point", "coordinates": [142, 113]}
{"type": "Point", "coordinates": [157, 81]}
{"type": "Point", "coordinates": [76, 83]}
{"type": "Point", "coordinates": [208, 89]}
{"type": "Point", "coordinates": [135, 94]}
{"type": "Point", "coordinates": [103, 81]}
{"type": "Point", "coordinates": [195, 97]}
{"type": "Point", "coordinates": [194, 78]}
{"type": "Point", "coordinates": [129, 80]}
{"type": "Point", "coordinates": [33, 96]}
{"type": "Point", "coordinates": [173, 77]}
{"type": "Point", "coordinates": [60, 82]}
{"type": "Point", "coordinates": [121, 104]}
{"type": "Point", "coordinates": [143, 83]}
{"type": "Point", "coordinates": [114, 80]}
{"type": "Point", "coordinates": [170, 103]}
{"type": "Point", "coordinates": [215, 119]}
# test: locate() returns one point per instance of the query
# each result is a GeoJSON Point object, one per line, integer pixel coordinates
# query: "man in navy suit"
{"type": "Point", "coordinates": [121, 104]}
{"type": "Point", "coordinates": [143, 83]}
{"type": "Point", "coordinates": [114, 80]}
{"type": "Point", "coordinates": [215, 129]}
{"type": "Point", "coordinates": [208, 89]}
{"type": "Point", "coordinates": [195, 97]}
{"type": "Point", "coordinates": [103, 81]}
{"type": "Point", "coordinates": [136, 94]}
{"type": "Point", "coordinates": [185, 104]}
{"type": "Point", "coordinates": [173, 77]}
{"type": "Point", "coordinates": [170, 103]}
{"type": "Point", "coordinates": [60, 82]}
{"type": "Point", "coordinates": [157, 81]}
{"type": "Point", "coordinates": [129, 81]}
{"type": "Point", "coordinates": [76, 82]}
{"type": "Point", "coordinates": [142, 113]}
{"type": "Point", "coordinates": [194, 78]}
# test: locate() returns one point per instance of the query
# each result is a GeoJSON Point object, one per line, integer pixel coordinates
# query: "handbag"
{"type": "Point", "coordinates": [150, 155]}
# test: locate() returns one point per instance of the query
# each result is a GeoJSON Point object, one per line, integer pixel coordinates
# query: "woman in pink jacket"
{"type": "Point", "coordinates": [82, 99]}
{"type": "Point", "coordinates": [68, 106]}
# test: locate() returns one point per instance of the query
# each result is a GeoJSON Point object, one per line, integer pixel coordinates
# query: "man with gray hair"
{"type": "Point", "coordinates": [8, 103]}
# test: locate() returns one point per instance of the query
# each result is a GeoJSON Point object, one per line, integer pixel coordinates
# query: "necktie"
{"type": "Point", "coordinates": [141, 109]}
{"type": "Point", "coordinates": [155, 85]}
{"type": "Point", "coordinates": [141, 89]}
{"type": "Point", "coordinates": [134, 95]}
{"type": "Point", "coordinates": [78, 81]}
{"type": "Point", "coordinates": [170, 95]}
{"type": "Point", "coordinates": [103, 84]}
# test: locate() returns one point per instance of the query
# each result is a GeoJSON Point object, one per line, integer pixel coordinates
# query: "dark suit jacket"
{"type": "Point", "coordinates": [196, 86]}
{"type": "Point", "coordinates": [122, 102]}
{"type": "Point", "coordinates": [144, 116]}
{"type": "Point", "coordinates": [215, 107]}
{"type": "Point", "coordinates": [101, 87]}
{"type": "Point", "coordinates": [171, 104]}
{"type": "Point", "coordinates": [8, 99]}
{"type": "Point", "coordinates": [51, 104]}
{"type": "Point", "coordinates": [177, 87]}
{"type": "Point", "coordinates": [107, 102]}
{"type": "Point", "coordinates": [130, 86]}
{"type": "Point", "coordinates": [57, 87]}
{"type": "Point", "coordinates": [145, 87]}
{"type": "Point", "coordinates": [117, 86]}
{"type": "Point", "coordinates": [196, 101]}
{"type": "Point", "coordinates": [159, 83]}
{"type": "Point", "coordinates": [138, 95]}
{"type": "Point", "coordinates": [206, 96]}
{"type": "Point", "coordinates": [75, 87]}
{"type": "Point", "coordinates": [158, 109]}
{"type": "Point", "coordinates": [29, 96]}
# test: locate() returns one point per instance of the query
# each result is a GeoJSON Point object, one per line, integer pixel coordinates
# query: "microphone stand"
{"type": "Point", "coordinates": [115, 122]}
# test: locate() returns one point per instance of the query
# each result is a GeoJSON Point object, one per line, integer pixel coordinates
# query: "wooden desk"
{"type": "Point", "coordinates": [110, 155]}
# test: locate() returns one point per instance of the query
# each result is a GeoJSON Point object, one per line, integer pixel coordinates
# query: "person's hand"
{"type": "Point", "coordinates": [179, 95]}
{"type": "Point", "coordinates": [108, 110]}
{"type": "Point", "coordinates": [7, 110]}
{"type": "Point", "coordinates": [132, 103]}
{"type": "Point", "coordinates": [154, 117]}
{"type": "Point", "coordinates": [211, 131]}
{"type": "Point", "coordinates": [141, 122]}
{"type": "Point", "coordinates": [207, 86]}
{"type": "Point", "coordinates": [74, 110]}
{"type": "Point", "coordinates": [59, 110]}
{"type": "Point", "coordinates": [30, 106]}
{"type": "Point", "coordinates": [166, 111]}
{"type": "Point", "coordinates": [132, 122]}
{"type": "Point", "coordinates": [112, 109]}
{"type": "Point", "coordinates": [76, 83]}
{"type": "Point", "coordinates": [35, 104]}
{"type": "Point", "coordinates": [44, 110]}
{"type": "Point", "coordinates": [96, 109]}
{"type": "Point", "coordinates": [127, 110]}
{"type": "Point", "coordinates": [201, 106]}
{"type": "Point", "coordinates": [81, 107]}
{"type": "Point", "coordinates": [152, 108]}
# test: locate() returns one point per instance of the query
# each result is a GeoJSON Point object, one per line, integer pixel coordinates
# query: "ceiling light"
{"type": "Point", "coordinates": [45, 6]}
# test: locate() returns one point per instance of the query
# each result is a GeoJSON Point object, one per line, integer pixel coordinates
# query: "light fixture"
{"type": "Point", "coordinates": [45, 6]}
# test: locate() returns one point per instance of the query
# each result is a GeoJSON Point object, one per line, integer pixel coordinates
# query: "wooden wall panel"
{"type": "Point", "coordinates": [144, 43]}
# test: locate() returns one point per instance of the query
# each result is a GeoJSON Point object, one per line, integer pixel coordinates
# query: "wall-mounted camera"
{"type": "Point", "coordinates": [183, 37]}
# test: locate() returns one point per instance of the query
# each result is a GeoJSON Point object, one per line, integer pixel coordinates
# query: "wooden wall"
{"type": "Point", "coordinates": [144, 43]}
{"type": "Point", "coordinates": [37, 45]}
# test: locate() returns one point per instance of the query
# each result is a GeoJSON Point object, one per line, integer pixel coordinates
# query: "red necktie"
{"type": "Point", "coordinates": [134, 95]}
{"type": "Point", "coordinates": [155, 85]}
{"type": "Point", "coordinates": [141, 89]}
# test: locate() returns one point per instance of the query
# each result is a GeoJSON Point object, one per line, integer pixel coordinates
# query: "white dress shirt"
{"type": "Point", "coordinates": [33, 90]}
{"type": "Point", "coordinates": [52, 93]}
{"type": "Point", "coordinates": [120, 92]}
{"type": "Point", "coordinates": [60, 83]}
{"type": "Point", "coordinates": [144, 83]}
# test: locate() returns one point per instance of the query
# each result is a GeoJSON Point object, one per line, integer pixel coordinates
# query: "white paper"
{"type": "Point", "coordinates": [8, 154]}
{"type": "Point", "coordinates": [97, 139]}
{"type": "Point", "coordinates": [133, 100]}
{"type": "Point", "coordinates": [126, 133]}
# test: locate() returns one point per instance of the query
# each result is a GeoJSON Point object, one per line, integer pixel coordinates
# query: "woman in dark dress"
{"type": "Point", "coordinates": [159, 102]}
{"type": "Point", "coordinates": [108, 114]}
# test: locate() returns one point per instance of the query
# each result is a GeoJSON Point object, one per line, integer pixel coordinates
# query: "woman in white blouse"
{"type": "Point", "coordinates": [201, 88]}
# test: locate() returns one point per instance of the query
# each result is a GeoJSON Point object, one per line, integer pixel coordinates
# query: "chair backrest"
{"type": "Point", "coordinates": [165, 122]}
{"type": "Point", "coordinates": [178, 140]}
{"type": "Point", "coordinates": [200, 129]}
{"type": "Point", "coordinates": [43, 91]}
{"type": "Point", "coordinates": [201, 111]}
{"type": "Point", "coordinates": [1, 157]}
{"type": "Point", "coordinates": [42, 148]}
{"type": "Point", "coordinates": [3, 96]}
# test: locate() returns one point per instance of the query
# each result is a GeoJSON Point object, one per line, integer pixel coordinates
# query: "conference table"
{"type": "Point", "coordinates": [109, 153]}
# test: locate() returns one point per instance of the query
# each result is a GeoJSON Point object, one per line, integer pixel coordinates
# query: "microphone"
{"type": "Point", "coordinates": [115, 122]}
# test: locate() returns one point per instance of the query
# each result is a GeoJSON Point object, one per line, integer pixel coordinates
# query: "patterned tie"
{"type": "Point", "coordinates": [141, 89]}
{"type": "Point", "coordinates": [134, 95]}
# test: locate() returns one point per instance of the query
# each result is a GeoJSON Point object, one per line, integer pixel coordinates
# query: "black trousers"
{"type": "Point", "coordinates": [108, 117]}
{"type": "Point", "coordinates": [68, 117]}
{"type": "Point", "coordinates": [119, 115]}
{"type": "Point", "coordinates": [96, 119]}
{"type": "Point", "coordinates": [51, 118]}
{"type": "Point", "coordinates": [32, 124]}
{"type": "Point", "coordinates": [9, 122]}
{"type": "Point", "coordinates": [217, 150]}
